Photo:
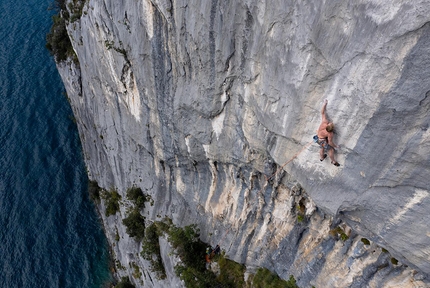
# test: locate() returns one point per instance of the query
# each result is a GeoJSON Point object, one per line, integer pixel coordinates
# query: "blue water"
{"type": "Point", "coordinates": [50, 235]}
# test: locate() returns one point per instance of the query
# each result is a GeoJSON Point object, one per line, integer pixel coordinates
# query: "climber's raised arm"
{"type": "Point", "coordinates": [324, 118]}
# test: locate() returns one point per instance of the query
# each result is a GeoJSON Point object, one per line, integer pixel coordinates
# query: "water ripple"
{"type": "Point", "coordinates": [51, 236]}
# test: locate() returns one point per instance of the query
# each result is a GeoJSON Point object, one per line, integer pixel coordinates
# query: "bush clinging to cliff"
{"type": "Point", "coordinates": [76, 7]}
{"type": "Point", "coordinates": [58, 41]}
{"type": "Point", "coordinates": [151, 249]}
{"type": "Point", "coordinates": [264, 278]}
{"type": "Point", "coordinates": [136, 195]}
{"type": "Point", "coordinates": [232, 273]}
{"type": "Point", "coordinates": [94, 191]}
{"type": "Point", "coordinates": [135, 224]}
{"type": "Point", "coordinates": [124, 283]}
{"type": "Point", "coordinates": [112, 202]}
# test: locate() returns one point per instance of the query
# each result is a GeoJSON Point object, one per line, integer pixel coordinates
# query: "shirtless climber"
{"type": "Point", "coordinates": [325, 137]}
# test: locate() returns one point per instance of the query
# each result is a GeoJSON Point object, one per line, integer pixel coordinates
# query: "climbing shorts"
{"type": "Point", "coordinates": [323, 143]}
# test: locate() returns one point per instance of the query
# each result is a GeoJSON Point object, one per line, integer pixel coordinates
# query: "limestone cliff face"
{"type": "Point", "coordinates": [198, 102]}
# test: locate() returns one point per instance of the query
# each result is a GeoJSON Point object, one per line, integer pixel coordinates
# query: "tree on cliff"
{"type": "Point", "coordinates": [57, 40]}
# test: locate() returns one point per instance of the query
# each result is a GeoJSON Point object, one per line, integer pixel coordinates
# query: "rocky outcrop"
{"type": "Point", "coordinates": [199, 102]}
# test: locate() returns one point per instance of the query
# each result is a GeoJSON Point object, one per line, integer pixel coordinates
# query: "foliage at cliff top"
{"type": "Point", "coordinates": [57, 40]}
{"type": "Point", "coordinates": [75, 7]}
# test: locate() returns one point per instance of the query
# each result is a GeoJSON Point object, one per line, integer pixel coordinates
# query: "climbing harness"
{"type": "Point", "coordinates": [211, 252]}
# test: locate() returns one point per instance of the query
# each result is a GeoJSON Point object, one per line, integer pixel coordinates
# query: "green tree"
{"type": "Point", "coordinates": [264, 278]}
{"type": "Point", "coordinates": [58, 41]}
{"type": "Point", "coordinates": [135, 194]}
{"type": "Point", "coordinates": [112, 202]}
{"type": "Point", "coordinates": [124, 283]}
{"type": "Point", "coordinates": [135, 224]}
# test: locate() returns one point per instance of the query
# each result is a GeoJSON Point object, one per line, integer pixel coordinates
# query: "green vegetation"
{"type": "Point", "coordinates": [94, 191]}
{"type": "Point", "coordinates": [136, 271]}
{"type": "Point", "coordinates": [191, 251]}
{"type": "Point", "coordinates": [192, 269]}
{"type": "Point", "coordinates": [187, 245]}
{"type": "Point", "coordinates": [365, 241]}
{"type": "Point", "coordinates": [76, 7]}
{"type": "Point", "coordinates": [124, 283]}
{"type": "Point", "coordinates": [301, 211]}
{"type": "Point", "coordinates": [58, 41]}
{"type": "Point", "coordinates": [338, 232]}
{"type": "Point", "coordinates": [111, 45]}
{"type": "Point", "coordinates": [343, 237]}
{"type": "Point", "coordinates": [196, 278]}
{"type": "Point", "coordinates": [112, 199]}
{"type": "Point", "coordinates": [394, 261]}
{"type": "Point", "coordinates": [136, 195]}
{"type": "Point", "coordinates": [135, 224]}
{"type": "Point", "coordinates": [266, 279]}
{"type": "Point", "coordinates": [118, 265]}
{"type": "Point", "coordinates": [384, 250]}
{"type": "Point", "coordinates": [186, 242]}
{"type": "Point", "coordinates": [301, 207]}
{"type": "Point", "coordinates": [117, 238]}
{"type": "Point", "coordinates": [151, 248]}
{"type": "Point", "coordinates": [232, 273]}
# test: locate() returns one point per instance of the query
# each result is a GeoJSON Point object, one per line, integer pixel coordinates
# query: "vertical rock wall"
{"type": "Point", "coordinates": [198, 102]}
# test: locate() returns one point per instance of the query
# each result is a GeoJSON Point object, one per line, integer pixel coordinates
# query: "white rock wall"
{"type": "Point", "coordinates": [196, 102]}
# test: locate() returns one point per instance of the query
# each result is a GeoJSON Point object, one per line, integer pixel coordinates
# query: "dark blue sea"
{"type": "Point", "coordinates": [50, 234]}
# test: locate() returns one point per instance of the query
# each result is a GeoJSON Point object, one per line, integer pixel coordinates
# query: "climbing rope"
{"type": "Point", "coordinates": [225, 234]}
{"type": "Point", "coordinates": [294, 157]}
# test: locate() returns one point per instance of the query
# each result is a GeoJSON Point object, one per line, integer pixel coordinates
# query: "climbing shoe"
{"type": "Point", "coordinates": [335, 163]}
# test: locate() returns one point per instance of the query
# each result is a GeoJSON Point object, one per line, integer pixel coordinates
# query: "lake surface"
{"type": "Point", "coordinates": [50, 233]}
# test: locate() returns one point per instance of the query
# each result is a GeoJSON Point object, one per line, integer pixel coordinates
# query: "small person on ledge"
{"type": "Point", "coordinates": [325, 137]}
{"type": "Point", "coordinates": [210, 253]}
